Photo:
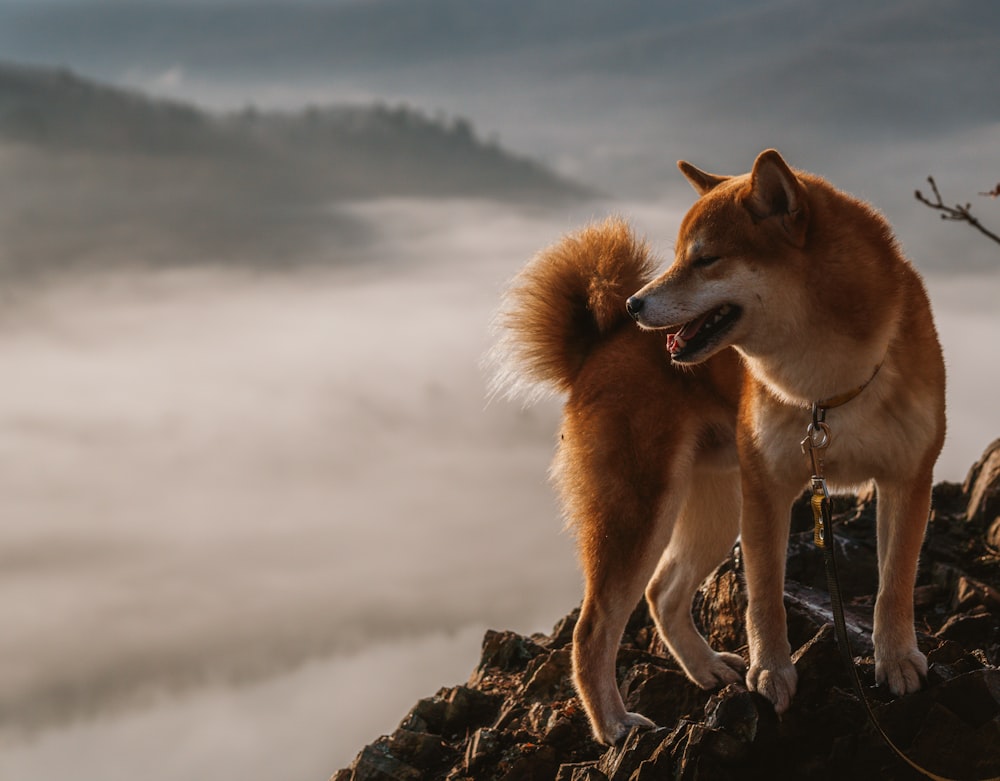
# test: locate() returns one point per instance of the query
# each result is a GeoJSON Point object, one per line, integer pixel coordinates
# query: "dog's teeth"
{"type": "Point", "coordinates": [723, 311]}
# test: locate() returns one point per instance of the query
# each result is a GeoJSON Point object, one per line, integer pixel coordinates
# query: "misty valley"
{"type": "Point", "coordinates": [92, 175]}
{"type": "Point", "coordinates": [254, 498]}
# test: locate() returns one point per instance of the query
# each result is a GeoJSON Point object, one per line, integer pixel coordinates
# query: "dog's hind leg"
{"type": "Point", "coordinates": [618, 560]}
{"type": "Point", "coordinates": [705, 531]}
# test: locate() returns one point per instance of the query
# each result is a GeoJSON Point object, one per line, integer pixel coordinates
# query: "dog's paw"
{"type": "Point", "coordinates": [776, 682]}
{"type": "Point", "coordinates": [612, 734]}
{"type": "Point", "coordinates": [903, 672]}
{"type": "Point", "coordinates": [718, 670]}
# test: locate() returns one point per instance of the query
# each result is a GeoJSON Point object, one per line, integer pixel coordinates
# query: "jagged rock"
{"type": "Point", "coordinates": [546, 674]}
{"type": "Point", "coordinates": [665, 696]}
{"type": "Point", "coordinates": [971, 593]}
{"type": "Point", "coordinates": [819, 664]}
{"type": "Point", "coordinates": [720, 605]}
{"type": "Point", "coordinates": [993, 535]}
{"type": "Point", "coordinates": [536, 763]}
{"type": "Point", "coordinates": [518, 717]}
{"type": "Point", "coordinates": [950, 660]}
{"type": "Point", "coordinates": [952, 729]}
{"type": "Point", "coordinates": [964, 592]}
{"type": "Point", "coordinates": [484, 744]}
{"type": "Point", "coordinates": [580, 771]}
{"type": "Point", "coordinates": [419, 749]}
{"type": "Point", "coordinates": [808, 609]}
{"type": "Point", "coordinates": [376, 763]}
{"type": "Point", "coordinates": [857, 561]}
{"type": "Point", "coordinates": [426, 716]}
{"type": "Point", "coordinates": [744, 716]}
{"type": "Point", "coordinates": [619, 763]}
{"type": "Point", "coordinates": [466, 708]}
{"type": "Point", "coordinates": [982, 486]}
{"type": "Point", "coordinates": [562, 633]}
{"type": "Point", "coordinates": [977, 627]}
{"type": "Point", "coordinates": [507, 651]}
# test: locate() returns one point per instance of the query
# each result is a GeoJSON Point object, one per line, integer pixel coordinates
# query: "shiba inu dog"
{"type": "Point", "coordinates": [785, 294]}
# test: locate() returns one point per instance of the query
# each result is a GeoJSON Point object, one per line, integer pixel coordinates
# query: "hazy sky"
{"type": "Point", "coordinates": [874, 97]}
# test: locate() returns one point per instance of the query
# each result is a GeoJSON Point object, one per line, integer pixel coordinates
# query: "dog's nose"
{"type": "Point", "coordinates": [634, 306]}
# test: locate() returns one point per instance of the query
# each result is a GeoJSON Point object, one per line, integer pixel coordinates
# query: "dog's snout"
{"type": "Point", "coordinates": [634, 306]}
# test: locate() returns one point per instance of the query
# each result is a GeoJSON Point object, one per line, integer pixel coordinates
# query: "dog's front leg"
{"type": "Point", "coordinates": [764, 535]}
{"type": "Point", "coordinates": [903, 508]}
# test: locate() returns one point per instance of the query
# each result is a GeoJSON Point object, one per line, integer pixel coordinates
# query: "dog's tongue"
{"type": "Point", "coordinates": [690, 329]}
{"type": "Point", "coordinates": [678, 341]}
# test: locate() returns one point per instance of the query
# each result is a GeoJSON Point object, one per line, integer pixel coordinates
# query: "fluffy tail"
{"type": "Point", "coordinates": [563, 301]}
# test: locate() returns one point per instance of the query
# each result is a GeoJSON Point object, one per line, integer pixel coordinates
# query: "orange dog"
{"type": "Point", "coordinates": [661, 444]}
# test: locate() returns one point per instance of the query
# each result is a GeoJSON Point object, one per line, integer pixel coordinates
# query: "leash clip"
{"type": "Point", "coordinates": [817, 439]}
{"type": "Point", "coordinates": [819, 501]}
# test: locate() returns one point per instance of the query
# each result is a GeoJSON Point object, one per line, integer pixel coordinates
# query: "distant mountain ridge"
{"type": "Point", "coordinates": [336, 152]}
{"type": "Point", "coordinates": [55, 108]}
{"type": "Point", "coordinates": [92, 175]}
{"type": "Point", "coordinates": [615, 91]}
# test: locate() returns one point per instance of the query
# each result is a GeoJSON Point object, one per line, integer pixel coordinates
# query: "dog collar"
{"type": "Point", "coordinates": [842, 398]}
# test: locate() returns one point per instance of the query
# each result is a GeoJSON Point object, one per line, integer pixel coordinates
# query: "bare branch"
{"type": "Point", "coordinates": [958, 212]}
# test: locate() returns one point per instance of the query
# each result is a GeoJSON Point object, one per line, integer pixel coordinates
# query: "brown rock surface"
{"type": "Point", "coordinates": [982, 486]}
{"type": "Point", "coordinates": [518, 718]}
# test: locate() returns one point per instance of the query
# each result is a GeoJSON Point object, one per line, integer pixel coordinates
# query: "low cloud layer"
{"type": "Point", "coordinates": [214, 477]}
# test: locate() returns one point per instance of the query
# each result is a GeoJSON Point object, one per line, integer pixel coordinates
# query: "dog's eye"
{"type": "Point", "coordinates": [704, 261]}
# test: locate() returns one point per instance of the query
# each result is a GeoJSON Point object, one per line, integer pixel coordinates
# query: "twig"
{"type": "Point", "coordinates": [957, 213]}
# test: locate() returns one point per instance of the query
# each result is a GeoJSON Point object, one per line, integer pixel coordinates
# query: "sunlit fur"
{"type": "Point", "coordinates": [646, 464]}
{"type": "Point", "coordinates": [570, 297]}
{"type": "Point", "coordinates": [655, 461]}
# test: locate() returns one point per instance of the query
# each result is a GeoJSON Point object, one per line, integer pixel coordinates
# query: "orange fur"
{"type": "Point", "coordinates": [564, 302]}
{"type": "Point", "coordinates": [626, 457]}
{"type": "Point", "coordinates": [658, 461]}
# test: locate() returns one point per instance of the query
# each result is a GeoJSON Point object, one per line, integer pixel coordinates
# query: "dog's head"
{"type": "Point", "coordinates": [740, 233]}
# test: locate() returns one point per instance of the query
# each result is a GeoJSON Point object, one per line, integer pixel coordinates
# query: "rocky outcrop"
{"type": "Point", "coordinates": [517, 717]}
{"type": "Point", "coordinates": [982, 486]}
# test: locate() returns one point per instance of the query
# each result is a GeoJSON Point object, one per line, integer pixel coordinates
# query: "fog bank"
{"type": "Point", "coordinates": [245, 501]}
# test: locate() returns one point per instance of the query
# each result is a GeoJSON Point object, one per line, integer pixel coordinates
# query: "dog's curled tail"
{"type": "Point", "coordinates": [561, 303]}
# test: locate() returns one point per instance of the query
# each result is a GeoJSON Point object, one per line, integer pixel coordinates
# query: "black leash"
{"type": "Point", "coordinates": [818, 439]}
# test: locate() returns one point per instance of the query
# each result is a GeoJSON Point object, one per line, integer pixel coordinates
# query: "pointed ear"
{"type": "Point", "coordinates": [702, 181]}
{"type": "Point", "coordinates": [775, 191]}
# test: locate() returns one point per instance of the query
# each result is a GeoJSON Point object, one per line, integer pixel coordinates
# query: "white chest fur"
{"type": "Point", "coordinates": [884, 431]}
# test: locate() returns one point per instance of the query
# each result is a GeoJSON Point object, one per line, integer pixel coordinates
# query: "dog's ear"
{"type": "Point", "coordinates": [775, 191]}
{"type": "Point", "coordinates": [702, 181]}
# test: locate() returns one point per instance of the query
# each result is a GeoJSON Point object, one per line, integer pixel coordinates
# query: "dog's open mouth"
{"type": "Point", "coordinates": [697, 335]}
